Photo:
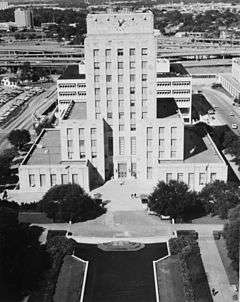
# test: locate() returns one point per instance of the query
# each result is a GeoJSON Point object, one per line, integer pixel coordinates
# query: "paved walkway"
{"type": "Point", "coordinates": [216, 274]}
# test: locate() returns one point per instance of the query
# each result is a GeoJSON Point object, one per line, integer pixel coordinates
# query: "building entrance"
{"type": "Point", "coordinates": [122, 170]}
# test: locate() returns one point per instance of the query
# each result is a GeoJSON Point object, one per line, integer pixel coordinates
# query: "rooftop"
{"type": "Point", "coordinates": [47, 150]}
{"type": "Point", "coordinates": [176, 70]}
{"type": "Point", "coordinates": [199, 149]}
{"type": "Point", "coordinates": [76, 111]}
{"type": "Point", "coordinates": [71, 73]}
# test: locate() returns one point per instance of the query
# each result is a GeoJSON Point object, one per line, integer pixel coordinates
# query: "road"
{"type": "Point", "coordinates": [226, 113]}
{"type": "Point", "coordinates": [37, 104]}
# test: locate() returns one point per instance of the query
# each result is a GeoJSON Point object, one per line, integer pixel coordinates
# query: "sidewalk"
{"type": "Point", "coordinates": [216, 274]}
{"type": "Point", "coordinates": [215, 271]}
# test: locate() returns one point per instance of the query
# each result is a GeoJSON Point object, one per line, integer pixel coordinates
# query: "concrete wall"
{"type": "Point", "coordinates": [25, 170]}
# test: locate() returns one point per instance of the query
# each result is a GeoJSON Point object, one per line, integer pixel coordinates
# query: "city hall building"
{"type": "Point", "coordinates": [123, 114]}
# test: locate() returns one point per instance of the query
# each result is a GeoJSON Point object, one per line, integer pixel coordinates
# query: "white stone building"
{"type": "Point", "coordinates": [123, 123]}
{"type": "Point", "coordinates": [23, 17]}
{"type": "Point", "coordinates": [231, 81]}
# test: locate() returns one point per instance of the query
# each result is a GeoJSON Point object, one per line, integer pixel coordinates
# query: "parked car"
{"type": "Point", "coordinates": [234, 126]}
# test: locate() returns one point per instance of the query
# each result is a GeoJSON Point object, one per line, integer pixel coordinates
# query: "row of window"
{"type": "Point", "coordinates": [174, 83]}
{"type": "Point", "coordinates": [120, 52]}
{"type": "Point", "coordinates": [42, 179]}
{"type": "Point", "coordinates": [120, 65]}
{"type": "Point", "coordinates": [202, 177]}
{"type": "Point", "coordinates": [81, 131]}
{"type": "Point", "coordinates": [67, 93]}
{"type": "Point", "coordinates": [120, 78]}
{"type": "Point", "coordinates": [184, 91]}
{"type": "Point", "coordinates": [67, 85]}
{"type": "Point", "coordinates": [120, 91]}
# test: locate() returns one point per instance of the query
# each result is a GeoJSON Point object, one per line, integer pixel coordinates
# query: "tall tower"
{"type": "Point", "coordinates": [120, 59]}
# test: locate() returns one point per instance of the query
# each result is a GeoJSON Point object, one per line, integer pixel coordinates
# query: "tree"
{"type": "Point", "coordinates": [69, 202]}
{"type": "Point", "coordinates": [19, 138]}
{"type": "Point", "coordinates": [173, 199]}
{"type": "Point", "coordinates": [219, 196]}
{"type": "Point", "coordinates": [23, 260]}
{"type": "Point", "coordinates": [231, 234]}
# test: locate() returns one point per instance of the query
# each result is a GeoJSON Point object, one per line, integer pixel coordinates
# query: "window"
{"type": "Point", "coordinates": [97, 104]}
{"type": "Point", "coordinates": [202, 179]}
{"type": "Point", "coordinates": [95, 52]}
{"type": "Point", "coordinates": [120, 90]}
{"type": "Point", "coordinates": [132, 103]}
{"type": "Point", "coordinates": [64, 179]}
{"type": "Point", "coordinates": [133, 115]}
{"type": "Point", "coordinates": [173, 154]}
{"type": "Point", "coordinates": [149, 172]}
{"type": "Point", "coordinates": [108, 65]}
{"type": "Point", "coordinates": [109, 105]}
{"type": "Point", "coordinates": [97, 91]}
{"type": "Point", "coordinates": [120, 78]}
{"type": "Point", "coordinates": [96, 65]}
{"type": "Point", "coordinates": [94, 154]}
{"type": "Point", "coordinates": [174, 132]}
{"type": "Point", "coordinates": [121, 104]}
{"type": "Point", "coordinates": [121, 145]}
{"type": "Point", "coordinates": [32, 180]}
{"type": "Point", "coordinates": [108, 52]}
{"type": "Point", "coordinates": [69, 132]}
{"type": "Point", "coordinates": [149, 137]}
{"type": "Point", "coordinates": [144, 102]}
{"type": "Point", "coordinates": [161, 132]}
{"type": "Point", "coordinates": [191, 180]}
{"type": "Point", "coordinates": [180, 177]}
{"type": "Point", "coordinates": [70, 154]}
{"type": "Point", "coordinates": [144, 114]}
{"type": "Point", "coordinates": [133, 145]}
{"type": "Point", "coordinates": [213, 177]}
{"type": "Point", "coordinates": [110, 145]}
{"type": "Point", "coordinates": [42, 180]}
{"type": "Point", "coordinates": [108, 78]}
{"type": "Point", "coordinates": [109, 91]}
{"type": "Point", "coordinates": [75, 178]}
{"type": "Point", "coordinates": [70, 143]}
{"type": "Point", "coordinates": [134, 169]}
{"type": "Point", "coordinates": [144, 51]}
{"type": "Point", "coordinates": [109, 115]}
{"type": "Point", "coordinates": [121, 115]}
{"type": "Point", "coordinates": [144, 91]}
{"type": "Point", "coordinates": [120, 52]}
{"type": "Point", "coordinates": [149, 156]}
{"type": "Point", "coordinates": [132, 51]}
{"type": "Point", "coordinates": [93, 132]}
{"type": "Point", "coordinates": [132, 77]}
{"type": "Point", "coordinates": [96, 78]}
{"type": "Point", "coordinates": [81, 143]}
{"type": "Point", "coordinates": [132, 127]}
{"type": "Point", "coordinates": [120, 65]}
{"type": "Point", "coordinates": [132, 90]}
{"type": "Point", "coordinates": [132, 65]}
{"type": "Point", "coordinates": [53, 179]}
{"type": "Point", "coordinates": [144, 64]}
{"type": "Point", "coordinates": [121, 127]}
{"type": "Point", "coordinates": [168, 177]}
{"type": "Point", "coordinates": [144, 77]}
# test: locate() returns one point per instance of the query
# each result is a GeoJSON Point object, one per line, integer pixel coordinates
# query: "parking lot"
{"type": "Point", "coordinates": [12, 99]}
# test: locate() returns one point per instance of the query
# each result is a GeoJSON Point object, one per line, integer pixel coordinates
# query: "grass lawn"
{"type": "Point", "coordinates": [70, 280]}
{"type": "Point", "coordinates": [170, 284]}
{"type": "Point", "coordinates": [231, 273]}
{"type": "Point", "coordinates": [199, 280]}
{"type": "Point", "coordinates": [121, 276]}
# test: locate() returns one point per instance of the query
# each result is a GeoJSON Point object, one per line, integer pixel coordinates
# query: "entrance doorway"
{"type": "Point", "coordinates": [122, 170]}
